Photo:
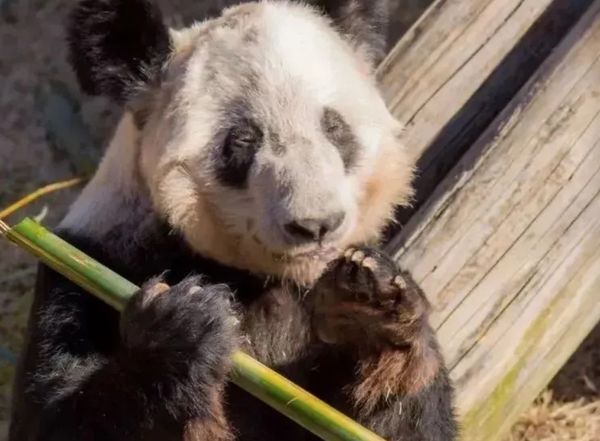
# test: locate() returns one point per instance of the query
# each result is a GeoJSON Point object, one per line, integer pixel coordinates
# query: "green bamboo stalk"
{"type": "Point", "coordinates": [249, 374]}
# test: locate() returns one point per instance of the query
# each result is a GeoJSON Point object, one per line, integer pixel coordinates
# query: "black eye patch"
{"type": "Point", "coordinates": [340, 134]}
{"type": "Point", "coordinates": [237, 152]}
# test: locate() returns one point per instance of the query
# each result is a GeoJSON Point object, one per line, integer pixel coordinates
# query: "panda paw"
{"type": "Point", "coordinates": [364, 297]}
{"type": "Point", "coordinates": [180, 334]}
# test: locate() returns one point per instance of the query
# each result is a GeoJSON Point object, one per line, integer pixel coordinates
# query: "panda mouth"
{"type": "Point", "coordinates": [323, 254]}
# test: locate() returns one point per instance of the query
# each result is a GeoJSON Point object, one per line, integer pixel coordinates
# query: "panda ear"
{"type": "Point", "coordinates": [365, 22]}
{"type": "Point", "coordinates": [116, 46]}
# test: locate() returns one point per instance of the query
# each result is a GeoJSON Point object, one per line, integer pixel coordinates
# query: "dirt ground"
{"type": "Point", "coordinates": [49, 132]}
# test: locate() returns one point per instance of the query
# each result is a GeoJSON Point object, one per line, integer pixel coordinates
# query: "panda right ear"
{"type": "Point", "coordinates": [365, 22]}
{"type": "Point", "coordinates": [116, 46]}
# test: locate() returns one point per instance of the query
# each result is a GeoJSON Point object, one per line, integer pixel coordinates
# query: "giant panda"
{"type": "Point", "coordinates": [245, 189]}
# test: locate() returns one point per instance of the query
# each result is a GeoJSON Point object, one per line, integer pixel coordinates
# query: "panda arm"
{"type": "Point", "coordinates": [79, 381]}
{"type": "Point", "coordinates": [367, 307]}
{"type": "Point", "coordinates": [68, 381]}
{"type": "Point", "coordinates": [405, 393]}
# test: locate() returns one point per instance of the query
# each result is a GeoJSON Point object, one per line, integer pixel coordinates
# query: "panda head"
{"type": "Point", "coordinates": [261, 134]}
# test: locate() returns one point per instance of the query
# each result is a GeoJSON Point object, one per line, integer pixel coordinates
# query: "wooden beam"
{"type": "Point", "coordinates": [508, 247]}
{"type": "Point", "coordinates": [459, 66]}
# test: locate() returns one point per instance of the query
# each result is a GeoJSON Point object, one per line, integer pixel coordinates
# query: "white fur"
{"type": "Point", "coordinates": [298, 65]}
{"type": "Point", "coordinates": [106, 200]}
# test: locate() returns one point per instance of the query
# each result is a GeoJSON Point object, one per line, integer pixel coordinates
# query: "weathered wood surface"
{"type": "Point", "coordinates": [459, 65]}
{"type": "Point", "coordinates": [508, 247]}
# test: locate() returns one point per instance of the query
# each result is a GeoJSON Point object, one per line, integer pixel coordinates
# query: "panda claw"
{"type": "Point", "coordinates": [374, 295]}
{"type": "Point", "coordinates": [154, 290]}
{"type": "Point", "coordinates": [164, 319]}
{"type": "Point", "coordinates": [194, 289]}
{"type": "Point", "coordinates": [357, 257]}
{"type": "Point", "coordinates": [367, 275]}
{"type": "Point", "coordinates": [400, 283]}
{"type": "Point", "coordinates": [349, 252]}
{"type": "Point", "coordinates": [369, 263]}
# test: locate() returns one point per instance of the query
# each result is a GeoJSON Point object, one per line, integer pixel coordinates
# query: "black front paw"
{"type": "Point", "coordinates": [183, 333]}
{"type": "Point", "coordinates": [365, 297]}
{"type": "Point", "coordinates": [368, 275]}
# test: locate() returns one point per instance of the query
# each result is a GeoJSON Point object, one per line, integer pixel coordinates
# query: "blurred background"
{"type": "Point", "coordinates": [50, 132]}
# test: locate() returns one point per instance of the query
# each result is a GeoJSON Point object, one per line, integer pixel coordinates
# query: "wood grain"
{"type": "Point", "coordinates": [459, 66]}
{"type": "Point", "coordinates": [508, 247]}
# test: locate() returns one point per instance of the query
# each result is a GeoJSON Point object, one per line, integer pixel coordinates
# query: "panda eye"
{"type": "Point", "coordinates": [339, 133]}
{"type": "Point", "coordinates": [238, 151]}
{"type": "Point", "coordinates": [241, 142]}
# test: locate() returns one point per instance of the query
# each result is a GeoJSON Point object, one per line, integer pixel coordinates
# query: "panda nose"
{"type": "Point", "coordinates": [313, 230]}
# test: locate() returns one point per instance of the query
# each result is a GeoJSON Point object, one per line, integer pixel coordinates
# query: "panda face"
{"type": "Point", "coordinates": [266, 142]}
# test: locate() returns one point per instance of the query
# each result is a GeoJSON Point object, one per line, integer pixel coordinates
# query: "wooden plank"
{"type": "Point", "coordinates": [458, 67]}
{"type": "Point", "coordinates": [508, 247]}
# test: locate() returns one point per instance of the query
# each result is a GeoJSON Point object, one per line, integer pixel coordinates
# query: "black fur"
{"type": "Point", "coordinates": [388, 318]}
{"type": "Point", "coordinates": [365, 21]}
{"type": "Point", "coordinates": [424, 417]}
{"type": "Point", "coordinates": [194, 320]}
{"type": "Point", "coordinates": [88, 373]}
{"type": "Point", "coordinates": [236, 154]}
{"type": "Point", "coordinates": [340, 135]}
{"type": "Point", "coordinates": [81, 378]}
{"type": "Point", "coordinates": [117, 46]}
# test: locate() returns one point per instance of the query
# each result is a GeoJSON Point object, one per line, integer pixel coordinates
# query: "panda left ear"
{"type": "Point", "coordinates": [364, 22]}
{"type": "Point", "coordinates": [116, 46]}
